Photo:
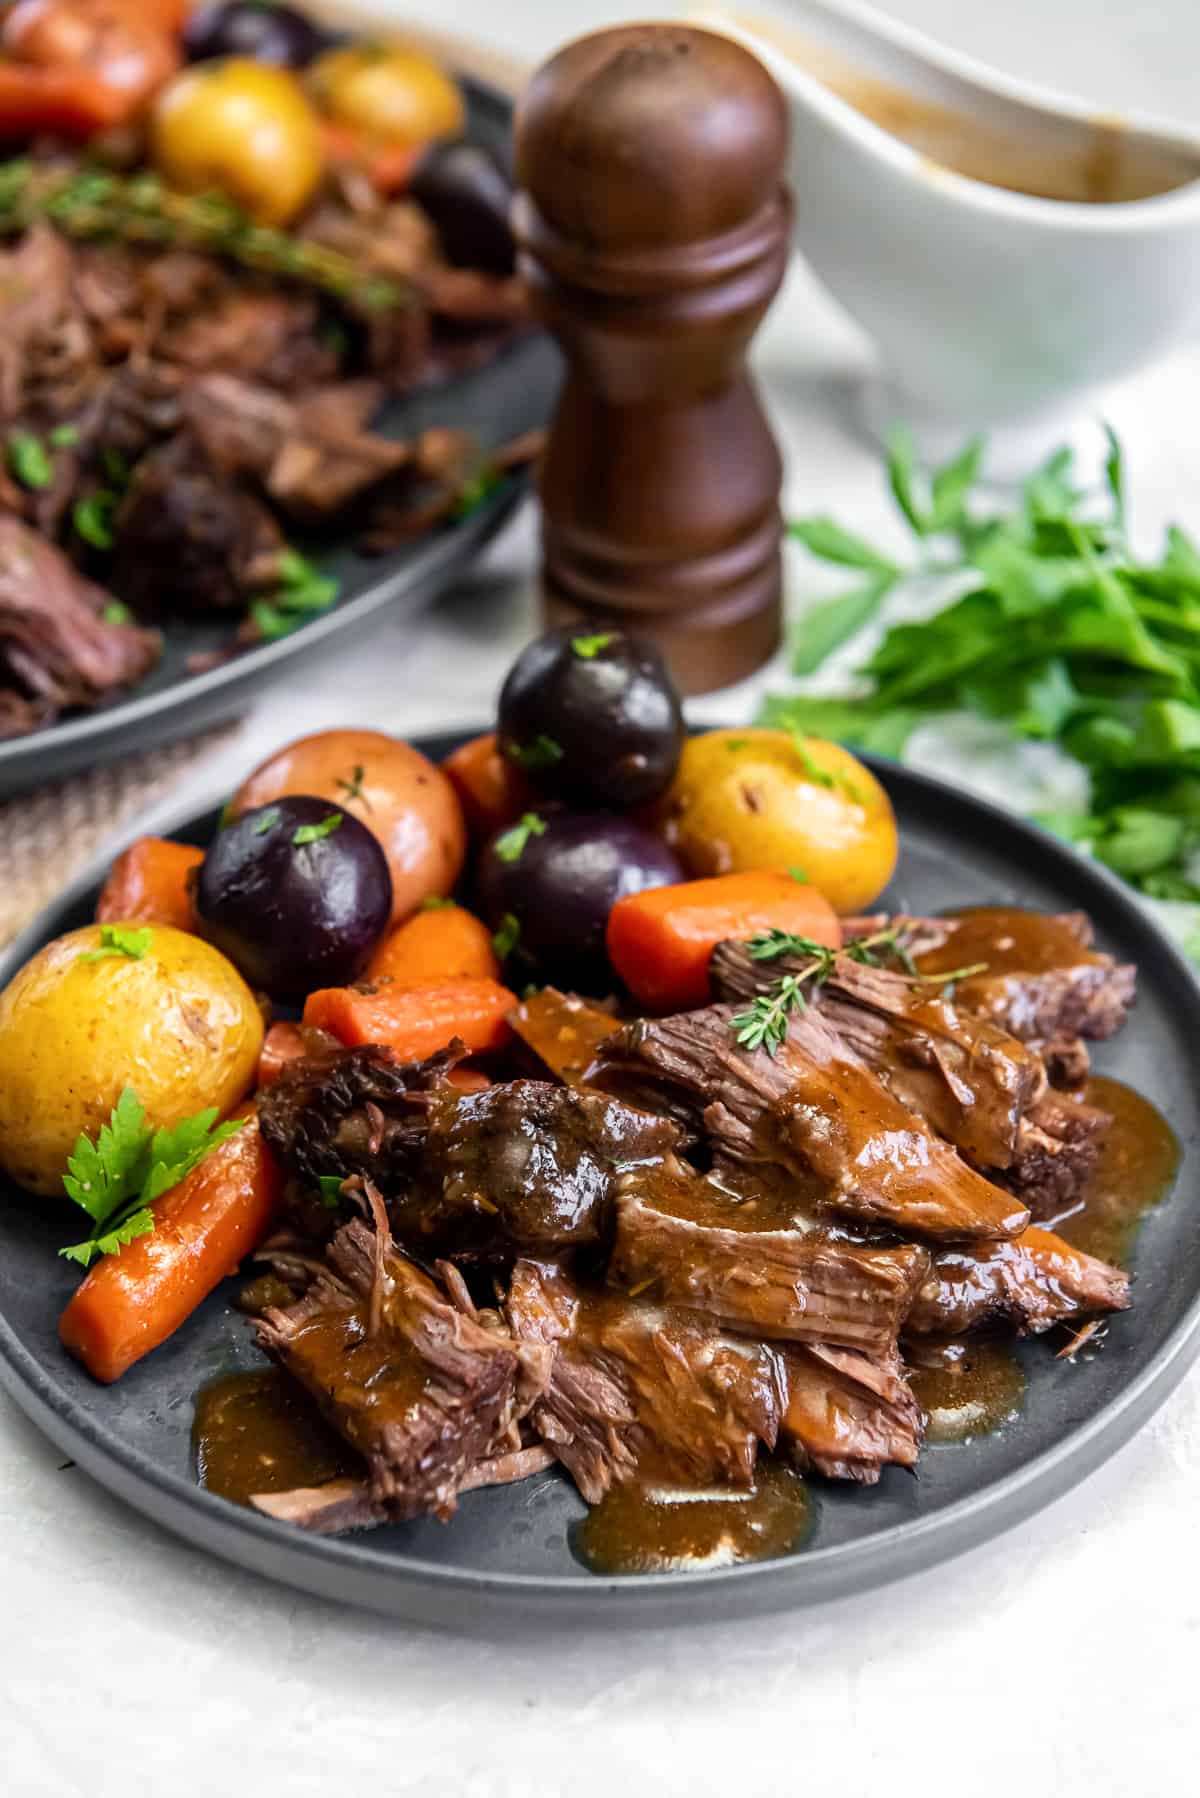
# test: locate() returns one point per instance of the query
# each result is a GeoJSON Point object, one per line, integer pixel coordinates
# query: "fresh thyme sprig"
{"type": "Point", "coordinates": [95, 203]}
{"type": "Point", "coordinates": [769, 945]}
{"type": "Point", "coordinates": [763, 1024]}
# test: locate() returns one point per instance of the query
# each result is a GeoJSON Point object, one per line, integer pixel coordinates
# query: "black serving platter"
{"type": "Point", "coordinates": [513, 393]}
{"type": "Point", "coordinates": [505, 1561]}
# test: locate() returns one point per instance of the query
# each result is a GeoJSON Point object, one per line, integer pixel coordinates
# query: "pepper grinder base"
{"type": "Point", "coordinates": [709, 646]}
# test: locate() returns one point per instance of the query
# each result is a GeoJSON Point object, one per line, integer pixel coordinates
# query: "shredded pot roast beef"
{"type": "Point", "coordinates": [980, 1087]}
{"type": "Point", "coordinates": [671, 1253]}
{"type": "Point", "coordinates": [171, 413]}
{"type": "Point", "coordinates": [57, 649]}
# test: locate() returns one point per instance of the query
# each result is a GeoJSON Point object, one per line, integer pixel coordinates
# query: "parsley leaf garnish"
{"type": "Point", "coordinates": [823, 777]}
{"type": "Point", "coordinates": [587, 647]}
{"type": "Point", "coordinates": [435, 902]}
{"type": "Point", "coordinates": [543, 752]}
{"type": "Point", "coordinates": [64, 436]}
{"type": "Point", "coordinates": [811, 768]}
{"type": "Point", "coordinates": [312, 833]}
{"type": "Point", "coordinates": [303, 593]}
{"type": "Point", "coordinates": [510, 846]}
{"type": "Point", "coordinates": [116, 612]}
{"type": "Point", "coordinates": [353, 788]}
{"type": "Point", "coordinates": [121, 939]}
{"type": "Point", "coordinates": [476, 491]}
{"type": "Point", "coordinates": [268, 821]}
{"type": "Point", "coordinates": [507, 936]}
{"type": "Point", "coordinates": [93, 518]}
{"type": "Point", "coordinates": [29, 461]}
{"type": "Point", "coordinates": [330, 1186]}
{"type": "Point", "coordinates": [117, 1178]}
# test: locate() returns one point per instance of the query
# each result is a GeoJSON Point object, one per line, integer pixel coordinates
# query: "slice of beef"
{"type": "Point", "coordinates": [1056, 1154]}
{"type": "Point", "coordinates": [189, 540]}
{"type": "Point", "coordinates": [315, 476]}
{"type": "Point", "coordinates": [814, 1109]}
{"type": "Point", "coordinates": [417, 1387]}
{"type": "Point", "coordinates": [563, 1031]}
{"type": "Point", "coordinates": [275, 338]}
{"type": "Point", "coordinates": [35, 280]}
{"type": "Point", "coordinates": [313, 457]}
{"type": "Point", "coordinates": [973, 1081]}
{"type": "Point", "coordinates": [47, 356]}
{"type": "Point", "coordinates": [519, 1166]}
{"type": "Point", "coordinates": [685, 1243]}
{"type": "Point", "coordinates": [641, 1389]}
{"type": "Point", "coordinates": [1043, 976]}
{"type": "Point", "coordinates": [242, 424]}
{"type": "Point", "coordinates": [346, 1504]}
{"type": "Point", "coordinates": [980, 1087]}
{"type": "Point", "coordinates": [56, 650]}
{"type": "Point", "coordinates": [139, 407]}
{"type": "Point", "coordinates": [354, 1111]}
{"type": "Point", "coordinates": [526, 1166]}
{"type": "Point", "coordinates": [1065, 1058]}
{"type": "Point", "coordinates": [1032, 1282]}
{"type": "Point", "coordinates": [849, 1415]}
{"type": "Point", "coordinates": [1087, 1000]}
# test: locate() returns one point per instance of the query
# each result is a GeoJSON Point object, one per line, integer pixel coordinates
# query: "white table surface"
{"type": "Point", "coordinates": [1061, 1655]}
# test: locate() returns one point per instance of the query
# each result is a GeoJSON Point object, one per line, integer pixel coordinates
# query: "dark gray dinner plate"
{"type": "Point", "coordinates": [513, 393]}
{"type": "Point", "coordinates": [506, 1559]}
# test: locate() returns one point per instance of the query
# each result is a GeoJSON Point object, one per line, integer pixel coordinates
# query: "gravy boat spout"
{"type": "Point", "coordinates": [1009, 252]}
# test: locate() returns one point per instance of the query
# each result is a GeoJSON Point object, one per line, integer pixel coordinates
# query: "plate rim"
{"type": "Point", "coordinates": [348, 1568]}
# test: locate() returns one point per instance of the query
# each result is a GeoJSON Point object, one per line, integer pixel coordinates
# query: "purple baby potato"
{"type": "Point", "coordinates": [561, 882]}
{"type": "Point", "coordinates": [296, 893]}
{"type": "Point", "coordinates": [592, 718]}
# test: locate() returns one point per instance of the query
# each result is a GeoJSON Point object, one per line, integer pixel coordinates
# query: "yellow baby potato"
{"type": "Point", "coordinates": [751, 798]}
{"type": "Point", "coordinates": [166, 1014]}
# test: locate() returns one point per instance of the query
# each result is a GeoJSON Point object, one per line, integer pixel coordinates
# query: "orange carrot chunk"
{"type": "Point", "coordinates": [660, 941]}
{"type": "Point", "coordinates": [443, 943]}
{"type": "Point", "coordinates": [130, 1302]}
{"type": "Point", "coordinates": [148, 884]}
{"type": "Point", "coordinates": [415, 1021]}
{"type": "Point", "coordinates": [491, 791]}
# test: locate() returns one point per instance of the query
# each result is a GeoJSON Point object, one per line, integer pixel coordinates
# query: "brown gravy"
{"type": "Point", "coordinates": [256, 1432]}
{"type": "Point", "coordinates": [1108, 167]}
{"type": "Point", "coordinates": [1138, 1160]}
{"type": "Point", "coordinates": [564, 1031]}
{"type": "Point", "coordinates": [968, 1387]}
{"type": "Point", "coordinates": [1008, 941]}
{"type": "Point", "coordinates": [635, 1529]}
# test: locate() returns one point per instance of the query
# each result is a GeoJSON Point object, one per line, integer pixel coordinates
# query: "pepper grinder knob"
{"type": "Point", "coordinates": [653, 227]}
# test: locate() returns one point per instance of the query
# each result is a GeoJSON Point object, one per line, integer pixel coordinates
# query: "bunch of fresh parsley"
{"type": "Point", "coordinates": [117, 1178]}
{"type": "Point", "coordinates": [1056, 629]}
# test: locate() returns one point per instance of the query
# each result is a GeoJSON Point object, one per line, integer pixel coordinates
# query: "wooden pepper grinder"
{"type": "Point", "coordinates": [653, 227]}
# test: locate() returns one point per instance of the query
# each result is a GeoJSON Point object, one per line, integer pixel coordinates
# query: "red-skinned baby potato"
{"type": "Point", "coordinates": [393, 789]}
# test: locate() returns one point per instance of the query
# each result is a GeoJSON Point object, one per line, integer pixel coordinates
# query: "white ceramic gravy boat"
{"type": "Point", "coordinates": [991, 308]}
